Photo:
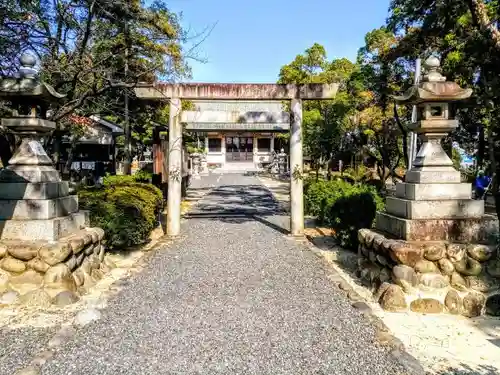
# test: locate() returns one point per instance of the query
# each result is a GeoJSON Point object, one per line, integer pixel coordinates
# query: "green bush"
{"type": "Point", "coordinates": [125, 209]}
{"type": "Point", "coordinates": [342, 206]}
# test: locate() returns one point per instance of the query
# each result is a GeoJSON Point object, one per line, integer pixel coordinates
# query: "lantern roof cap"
{"type": "Point", "coordinates": [27, 84]}
{"type": "Point", "coordinates": [433, 88]}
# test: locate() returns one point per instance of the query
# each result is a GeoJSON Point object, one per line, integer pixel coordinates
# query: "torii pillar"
{"type": "Point", "coordinates": [233, 91]}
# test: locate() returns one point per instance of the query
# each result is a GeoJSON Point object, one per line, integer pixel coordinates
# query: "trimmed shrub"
{"type": "Point", "coordinates": [344, 207]}
{"type": "Point", "coordinates": [126, 210]}
{"type": "Point", "coordinates": [353, 210]}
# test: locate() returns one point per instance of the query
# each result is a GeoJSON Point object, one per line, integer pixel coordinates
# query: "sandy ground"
{"type": "Point", "coordinates": [444, 344]}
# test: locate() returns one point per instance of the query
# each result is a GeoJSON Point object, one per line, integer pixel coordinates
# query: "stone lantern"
{"type": "Point", "coordinates": [433, 243]}
{"type": "Point", "coordinates": [34, 203]}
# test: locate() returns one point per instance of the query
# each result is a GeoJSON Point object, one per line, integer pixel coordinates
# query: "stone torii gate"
{"type": "Point", "coordinates": [233, 91]}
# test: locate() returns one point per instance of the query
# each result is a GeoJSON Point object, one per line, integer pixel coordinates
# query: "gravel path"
{"type": "Point", "coordinates": [233, 297]}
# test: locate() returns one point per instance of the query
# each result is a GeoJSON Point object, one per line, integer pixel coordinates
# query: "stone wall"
{"type": "Point", "coordinates": [48, 270]}
{"type": "Point", "coordinates": [430, 277]}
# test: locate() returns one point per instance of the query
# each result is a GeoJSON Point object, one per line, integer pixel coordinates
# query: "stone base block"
{"type": "Point", "coordinates": [429, 192]}
{"type": "Point", "coordinates": [435, 209]}
{"type": "Point", "coordinates": [429, 175]}
{"type": "Point", "coordinates": [38, 209]}
{"type": "Point", "coordinates": [43, 272]}
{"type": "Point", "coordinates": [477, 230]}
{"type": "Point", "coordinates": [47, 229]}
{"type": "Point", "coordinates": [28, 190]}
{"type": "Point", "coordinates": [430, 277]}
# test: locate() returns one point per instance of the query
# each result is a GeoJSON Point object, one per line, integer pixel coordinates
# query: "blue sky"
{"type": "Point", "coordinates": [252, 39]}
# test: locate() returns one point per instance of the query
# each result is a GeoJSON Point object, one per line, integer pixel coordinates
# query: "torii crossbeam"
{"type": "Point", "coordinates": [235, 91]}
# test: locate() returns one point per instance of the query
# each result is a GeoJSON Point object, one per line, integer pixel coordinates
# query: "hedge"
{"type": "Point", "coordinates": [127, 210]}
{"type": "Point", "coordinates": [342, 206]}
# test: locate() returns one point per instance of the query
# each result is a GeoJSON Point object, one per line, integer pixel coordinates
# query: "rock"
{"type": "Point", "coordinates": [97, 249]}
{"type": "Point", "coordinates": [87, 239]}
{"type": "Point", "coordinates": [385, 275]}
{"type": "Point", "coordinates": [87, 316]}
{"type": "Point", "coordinates": [61, 337]}
{"type": "Point", "coordinates": [458, 282]}
{"type": "Point", "coordinates": [473, 304]}
{"type": "Point", "coordinates": [94, 261]}
{"type": "Point", "coordinates": [492, 306]}
{"type": "Point", "coordinates": [79, 259]}
{"type": "Point", "coordinates": [353, 296]}
{"type": "Point", "coordinates": [378, 240]}
{"type": "Point", "coordinates": [393, 299]}
{"type": "Point", "coordinates": [76, 244]}
{"type": "Point", "coordinates": [372, 256]}
{"type": "Point", "coordinates": [382, 260]}
{"type": "Point", "coordinates": [100, 233]}
{"type": "Point", "coordinates": [38, 265]}
{"type": "Point", "coordinates": [79, 277]}
{"type": "Point", "coordinates": [3, 251]}
{"type": "Point", "coordinates": [95, 236]}
{"type": "Point", "coordinates": [426, 266]}
{"type": "Point", "coordinates": [42, 358]}
{"type": "Point", "coordinates": [453, 302]}
{"type": "Point", "coordinates": [89, 249]}
{"type": "Point", "coordinates": [433, 280]}
{"type": "Point", "coordinates": [86, 266]}
{"type": "Point", "coordinates": [369, 237]}
{"type": "Point", "coordinates": [434, 252]}
{"type": "Point", "coordinates": [362, 306]}
{"type": "Point", "coordinates": [468, 266]}
{"type": "Point", "coordinates": [102, 253]}
{"type": "Point", "coordinates": [88, 281]}
{"type": "Point", "coordinates": [446, 266]}
{"type": "Point", "coordinates": [344, 286]}
{"type": "Point", "coordinates": [404, 276]}
{"type": "Point", "coordinates": [97, 274]}
{"type": "Point", "coordinates": [59, 277]}
{"type": "Point", "coordinates": [36, 298]}
{"type": "Point", "coordinates": [26, 282]}
{"type": "Point", "coordinates": [455, 252]}
{"type": "Point", "coordinates": [481, 253]}
{"type": "Point", "coordinates": [403, 253]}
{"type": "Point", "coordinates": [65, 298]}
{"type": "Point", "coordinates": [53, 254]}
{"type": "Point", "coordinates": [22, 251]}
{"type": "Point", "coordinates": [9, 298]}
{"type": "Point", "coordinates": [104, 268]}
{"type": "Point", "coordinates": [381, 290]}
{"type": "Point", "coordinates": [482, 283]}
{"type": "Point", "coordinates": [4, 280]}
{"type": "Point", "coordinates": [426, 305]}
{"type": "Point", "coordinates": [71, 263]}
{"type": "Point", "coordinates": [493, 268]}
{"type": "Point", "coordinates": [12, 265]}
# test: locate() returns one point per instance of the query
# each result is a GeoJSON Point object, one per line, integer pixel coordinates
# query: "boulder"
{"type": "Point", "coordinates": [433, 280]}
{"type": "Point", "coordinates": [492, 306]}
{"type": "Point", "coordinates": [453, 302]}
{"type": "Point", "coordinates": [38, 265]}
{"type": "Point", "coordinates": [26, 281]}
{"type": "Point", "coordinates": [3, 251]}
{"type": "Point", "coordinates": [85, 317]}
{"type": "Point", "coordinates": [434, 252]}
{"type": "Point", "coordinates": [59, 277]}
{"type": "Point", "coordinates": [71, 263]}
{"type": "Point", "coordinates": [12, 265]}
{"type": "Point", "coordinates": [468, 266]}
{"type": "Point", "coordinates": [446, 266]}
{"type": "Point", "coordinates": [403, 253]}
{"type": "Point", "coordinates": [369, 237]}
{"type": "Point", "coordinates": [483, 283]}
{"type": "Point", "coordinates": [9, 298]}
{"type": "Point", "coordinates": [65, 298]}
{"type": "Point", "coordinates": [481, 253]}
{"type": "Point", "coordinates": [97, 274]}
{"type": "Point", "coordinates": [102, 253]}
{"type": "Point", "coordinates": [89, 249]}
{"type": "Point", "coordinates": [76, 244]}
{"type": "Point", "coordinates": [87, 239]}
{"type": "Point", "coordinates": [95, 236]}
{"type": "Point", "coordinates": [381, 290]}
{"type": "Point", "coordinates": [393, 299]}
{"type": "Point", "coordinates": [378, 240]}
{"type": "Point", "coordinates": [36, 298]}
{"type": "Point", "coordinates": [426, 266]}
{"type": "Point", "coordinates": [404, 276]}
{"type": "Point", "coordinates": [455, 252]}
{"type": "Point", "coordinates": [458, 282]}
{"type": "Point", "coordinates": [426, 305]}
{"type": "Point", "coordinates": [473, 304]}
{"type": "Point", "coordinates": [79, 277]}
{"type": "Point", "coordinates": [23, 251]}
{"type": "Point", "coordinates": [385, 275]}
{"type": "Point", "coordinates": [53, 254]}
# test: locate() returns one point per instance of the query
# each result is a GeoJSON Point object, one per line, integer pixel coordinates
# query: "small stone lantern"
{"type": "Point", "coordinates": [435, 120]}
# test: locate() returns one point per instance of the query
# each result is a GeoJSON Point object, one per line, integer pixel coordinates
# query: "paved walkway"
{"type": "Point", "coordinates": [235, 296]}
